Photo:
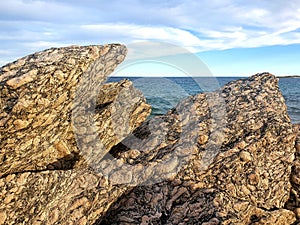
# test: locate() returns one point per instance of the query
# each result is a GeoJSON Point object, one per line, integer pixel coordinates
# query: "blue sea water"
{"type": "Point", "coordinates": [290, 88]}
{"type": "Point", "coordinates": [164, 93]}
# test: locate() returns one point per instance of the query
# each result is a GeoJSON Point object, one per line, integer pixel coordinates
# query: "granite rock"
{"type": "Point", "coordinates": [75, 151]}
{"type": "Point", "coordinates": [217, 158]}
{"type": "Point", "coordinates": [294, 201]}
{"type": "Point", "coordinates": [49, 164]}
{"type": "Point", "coordinates": [37, 98]}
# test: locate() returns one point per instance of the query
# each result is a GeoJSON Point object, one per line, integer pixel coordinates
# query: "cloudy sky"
{"type": "Point", "coordinates": [232, 37]}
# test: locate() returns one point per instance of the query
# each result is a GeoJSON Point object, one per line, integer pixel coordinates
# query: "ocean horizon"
{"type": "Point", "coordinates": [164, 93]}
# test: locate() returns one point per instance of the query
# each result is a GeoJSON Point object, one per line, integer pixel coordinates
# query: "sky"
{"type": "Point", "coordinates": [231, 37]}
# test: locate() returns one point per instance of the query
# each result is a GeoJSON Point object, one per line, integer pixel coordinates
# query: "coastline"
{"type": "Point", "coordinates": [233, 146]}
{"type": "Point", "coordinates": [291, 76]}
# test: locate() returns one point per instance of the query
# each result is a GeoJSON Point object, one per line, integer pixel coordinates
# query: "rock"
{"type": "Point", "coordinates": [245, 156]}
{"type": "Point", "coordinates": [77, 152]}
{"type": "Point", "coordinates": [57, 197]}
{"type": "Point", "coordinates": [37, 95]}
{"type": "Point", "coordinates": [2, 217]}
{"type": "Point", "coordinates": [240, 174]}
{"type": "Point", "coordinates": [50, 164]}
{"type": "Point", "coordinates": [297, 212]}
{"type": "Point", "coordinates": [276, 217]}
{"type": "Point", "coordinates": [294, 200]}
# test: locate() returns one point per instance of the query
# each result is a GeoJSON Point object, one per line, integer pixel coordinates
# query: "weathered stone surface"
{"type": "Point", "coordinates": [52, 192]}
{"type": "Point", "coordinates": [77, 196]}
{"type": "Point", "coordinates": [217, 158]}
{"type": "Point", "coordinates": [294, 201]}
{"type": "Point", "coordinates": [119, 109]}
{"type": "Point", "coordinates": [37, 94]}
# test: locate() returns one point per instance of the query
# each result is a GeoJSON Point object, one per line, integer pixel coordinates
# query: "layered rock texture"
{"type": "Point", "coordinates": [77, 151]}
{"type": "Point", "coordinates": [45, 177]}
{"type": "Point", "coordinates": [227, 156]}
{"type": "Point", "coordinates": [294, 201]}
{"type": "Point", "coordinates": [37, 94]}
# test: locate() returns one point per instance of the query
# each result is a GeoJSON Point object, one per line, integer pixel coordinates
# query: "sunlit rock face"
{"type": "Point", "coordinates": [77, 151]}
{"type": "Point", "coordinates": [228, 157]}
{"type": "Point", "coordinates": [48, 157]}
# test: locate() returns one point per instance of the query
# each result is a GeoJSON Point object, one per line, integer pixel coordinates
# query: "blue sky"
{"type": "Point", "coordinates": [232, 37]}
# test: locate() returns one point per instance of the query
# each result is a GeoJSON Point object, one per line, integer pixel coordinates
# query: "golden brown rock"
{"type": "Point", "coordinates": [239, 175]}
{"type": "Point", "coordinates": [276, 217]}
{"type": "Point", "coordinates": [245, 156]}
{"type": "Point", "coordinates": [217, 158]}
{"type": "Point", "coordinates": [37, 92]}
{"type": "Point", "coordinates": [62, 184]}
{"type": "Point", "coordinates": [294, 200]}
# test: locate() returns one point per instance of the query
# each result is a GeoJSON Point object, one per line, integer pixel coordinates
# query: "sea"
{"type": "Point", "coordinates": [164, 93]}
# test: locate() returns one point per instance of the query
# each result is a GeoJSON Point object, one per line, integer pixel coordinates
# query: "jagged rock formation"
{"type": "Point", "coordinates": [46, 178]}
{"type": "Point", "coordinates": [226, 157]}
{"type": "Point", "coordinates": [36, 104]}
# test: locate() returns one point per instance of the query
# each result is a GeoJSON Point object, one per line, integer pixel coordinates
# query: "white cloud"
{"type": "Point", "coordinates": [230, 37]}
{"type": "Point", "coordinates": [143, 33]}
{"type": "Point", "coordinates": [29, 25]}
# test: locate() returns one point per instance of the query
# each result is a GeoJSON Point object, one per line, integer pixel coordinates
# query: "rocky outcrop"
{"type": "Point", "coordinates": [75, 151]}
{"type": "Point", "coordinates": [36, 104]}
{"type": "Point", "coordinates": [225, 157]}
{"type": "Point", "coordinates": [294, 201]}
{"type": "Point", "coordinates": [48, 174]}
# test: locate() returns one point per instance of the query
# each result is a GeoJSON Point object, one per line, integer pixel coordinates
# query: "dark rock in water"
{"type": "Point", "coordinates": [217, 158]}
{"type": "Point", "coordinates": [49, 162]}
